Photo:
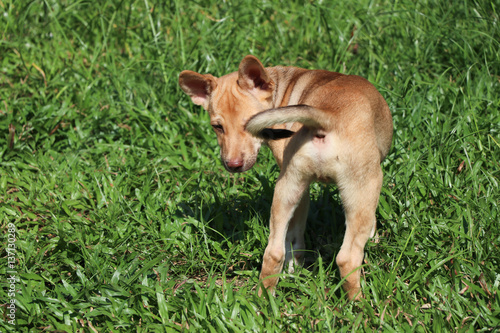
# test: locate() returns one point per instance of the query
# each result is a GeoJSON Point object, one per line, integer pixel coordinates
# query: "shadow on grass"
{"type": "Point", "coordinates": [242, 218]}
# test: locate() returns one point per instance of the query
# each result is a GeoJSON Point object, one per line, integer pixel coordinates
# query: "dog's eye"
{"type": "Point", "coordinates": [218, 128]}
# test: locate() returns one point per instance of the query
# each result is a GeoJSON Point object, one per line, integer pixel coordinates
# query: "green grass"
{"type": "Point", "coordinates": [127, 221]}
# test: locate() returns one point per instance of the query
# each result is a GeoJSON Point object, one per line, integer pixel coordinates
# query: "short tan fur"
{"type": "Point", "coordinates": [321, 126]}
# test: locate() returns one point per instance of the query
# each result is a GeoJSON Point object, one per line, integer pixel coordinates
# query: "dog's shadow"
{"type": "Point", "coordinates": [235, 217]}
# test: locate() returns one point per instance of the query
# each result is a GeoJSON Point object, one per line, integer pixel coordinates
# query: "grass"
{"type": "Point", "coordinates": [126, 221]}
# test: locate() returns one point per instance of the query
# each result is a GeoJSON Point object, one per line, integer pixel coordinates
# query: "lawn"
{"type": "Point", "coordinates": [117, 215]}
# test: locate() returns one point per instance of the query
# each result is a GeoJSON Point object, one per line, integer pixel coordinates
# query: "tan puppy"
{"type": "Point", "coordinates": [334, 128]}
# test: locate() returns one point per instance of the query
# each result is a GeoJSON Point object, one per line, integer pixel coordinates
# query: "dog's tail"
{"type": "Point", "coordinates": [259, 125]}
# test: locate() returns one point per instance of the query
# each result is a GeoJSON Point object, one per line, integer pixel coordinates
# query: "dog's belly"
{"type": "Point", "coordinates": [326, 179]}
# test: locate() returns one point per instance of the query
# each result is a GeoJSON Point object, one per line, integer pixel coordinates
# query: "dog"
{"type": "Point", "coordinates": [321, 126]}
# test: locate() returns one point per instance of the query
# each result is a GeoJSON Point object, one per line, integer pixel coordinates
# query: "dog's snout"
{"type": "Point", "coordinates": [234, 165]}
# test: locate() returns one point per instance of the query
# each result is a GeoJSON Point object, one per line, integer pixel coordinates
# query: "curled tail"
{"type": "Point", "coordinates": [259, 125]}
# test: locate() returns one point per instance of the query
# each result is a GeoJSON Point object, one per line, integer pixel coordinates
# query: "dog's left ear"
{"type": "Point", "coordinates": [198, 86]}
{"type": "Point", "coordinates": [252, 75]}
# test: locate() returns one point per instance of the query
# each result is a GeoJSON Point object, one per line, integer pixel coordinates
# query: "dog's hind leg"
{"type": "Point", "coordinates": [360, 199]}
{"type": "Point", "coordinates": [288, 196]}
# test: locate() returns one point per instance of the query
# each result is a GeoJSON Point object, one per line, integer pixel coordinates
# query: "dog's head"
{"type": "Point", "coordinates": [231, 100]}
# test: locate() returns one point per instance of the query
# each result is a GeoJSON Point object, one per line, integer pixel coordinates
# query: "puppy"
{"type": "Point", "coordinates": [321, 126]}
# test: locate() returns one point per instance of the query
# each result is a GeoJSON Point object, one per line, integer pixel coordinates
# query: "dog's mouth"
{"type": "Point", "coordinates": [242, 161]}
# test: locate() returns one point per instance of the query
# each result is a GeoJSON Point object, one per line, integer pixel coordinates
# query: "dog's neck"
{"type": "Point", "coordinates": [287, 80]}
{"type": "Point", "coordinates": [283, 77]}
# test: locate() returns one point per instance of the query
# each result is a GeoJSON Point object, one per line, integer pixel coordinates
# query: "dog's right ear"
{"type": "Point", "coordinates": [198, 86]}
{"type": "Point", "coordinates": [253, 76]}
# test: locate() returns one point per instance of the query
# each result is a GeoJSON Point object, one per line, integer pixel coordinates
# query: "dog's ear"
{"type": "Point", "coordinates": [252, 75]}
{"type": "Point", "coordinates": [198, 86]}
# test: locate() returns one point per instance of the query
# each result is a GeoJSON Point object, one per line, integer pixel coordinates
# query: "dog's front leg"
{"type": "Point", "coordinates": [294, 241]}
{"type": "Point", "coordinates": [288, 196]}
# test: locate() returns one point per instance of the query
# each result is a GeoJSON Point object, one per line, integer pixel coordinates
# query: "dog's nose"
{"type": "Point", "coordinates": [234, 165]}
